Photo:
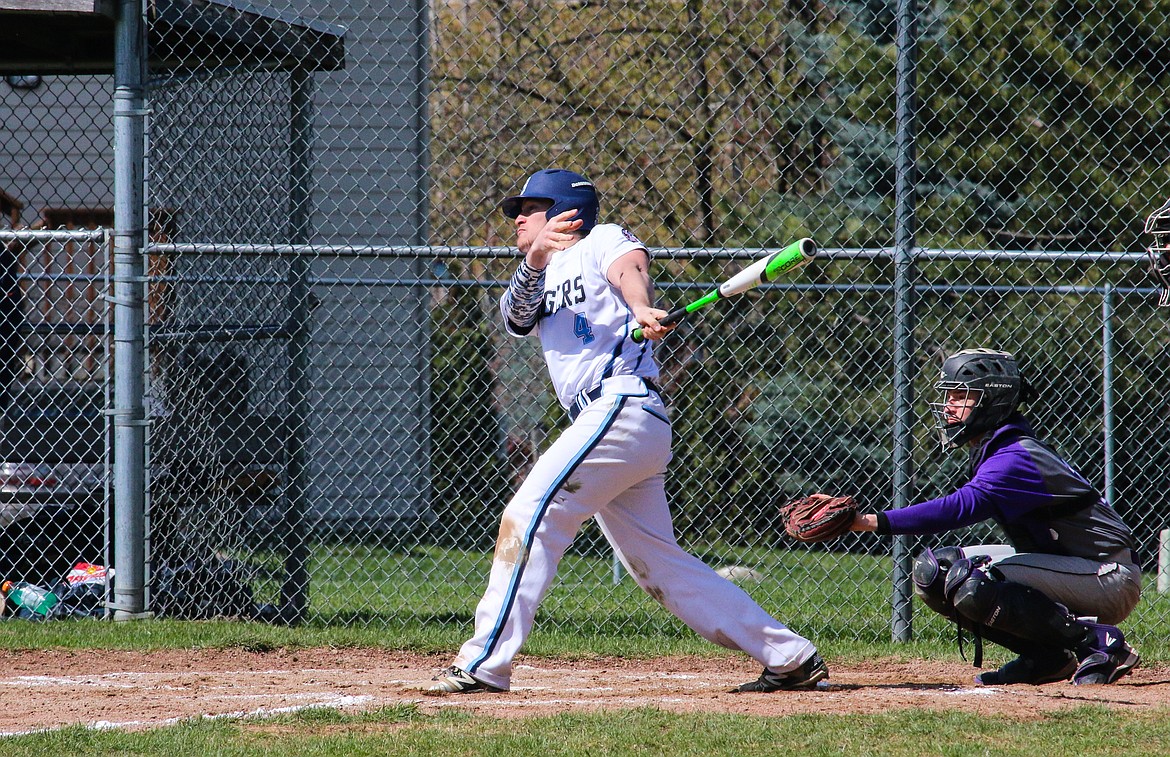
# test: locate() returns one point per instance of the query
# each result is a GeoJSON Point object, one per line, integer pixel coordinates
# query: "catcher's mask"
{"type": "Point", "coordinates": [564, 189]}
{"type": "Point", "coordinates": [992, 379]}
{"type": "Point", "coordinates": [1158, 226]}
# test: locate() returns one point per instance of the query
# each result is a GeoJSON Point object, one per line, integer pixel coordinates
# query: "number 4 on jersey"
{"type": "Point", "coordinates": [582, 330]}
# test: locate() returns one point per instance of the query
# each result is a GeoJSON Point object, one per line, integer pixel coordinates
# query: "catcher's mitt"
{"type": "Point", "coordinates": [818, 517]}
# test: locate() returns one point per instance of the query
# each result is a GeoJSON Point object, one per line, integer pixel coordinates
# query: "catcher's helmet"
{"type": "Point", "coordinates": [564, 189]}
{"type": "Point", "coordinates": [1158, 226]}
{"type": "Point", "coordinates": [990, 376]}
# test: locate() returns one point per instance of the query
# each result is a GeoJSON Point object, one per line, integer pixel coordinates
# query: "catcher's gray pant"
{"type": "Point", "coordinates": [1107, 590]}
{"type": "Point", "coordinates": [610, 464]}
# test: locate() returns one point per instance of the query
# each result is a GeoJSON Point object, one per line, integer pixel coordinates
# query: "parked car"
{"type": "Point", "coordinates": [54, 503]}
{"type": "Point", "coordinates": [52, 472]}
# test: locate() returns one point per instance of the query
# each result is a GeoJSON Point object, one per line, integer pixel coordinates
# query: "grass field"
{"type": "Point", "coordinates": [403, 731]}
{"type": "Point", "coordinates": [578, 620]}
{"type": "Point", "coordinates": [838, 597]}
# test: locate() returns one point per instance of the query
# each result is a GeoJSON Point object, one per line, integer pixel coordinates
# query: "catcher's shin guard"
{"type": "Point", "coordinates": [1004, 609]}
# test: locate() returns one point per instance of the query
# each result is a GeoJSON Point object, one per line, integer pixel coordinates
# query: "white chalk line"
{"type": "Point", "coordinates": [333, 702]}
{"type": "Point", "coordinates": [135, 680]}
{"type": "Point", "coordinates": [104, 681]}
{"type": "Point", "coordinates": [979, 692]}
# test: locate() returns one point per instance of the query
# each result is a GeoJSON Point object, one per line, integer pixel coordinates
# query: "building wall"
{"type": "Point", "coordinates": [369, 180]}
{"type": "Point", "coordinates": [218, 159]}
{"type": "Point", "coordinates": [58, 144]}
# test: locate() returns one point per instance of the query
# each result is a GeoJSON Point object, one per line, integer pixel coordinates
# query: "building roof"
{"type": "Point", "coordinates": [49, 37]}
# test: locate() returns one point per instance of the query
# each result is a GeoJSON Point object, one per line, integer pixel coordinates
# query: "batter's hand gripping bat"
{"type": "Point", "coordinates": [760, 272]}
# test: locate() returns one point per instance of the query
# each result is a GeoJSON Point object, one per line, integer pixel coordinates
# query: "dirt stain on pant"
{"type": "Point", "coordinates": [656, 593]}
{"type": "Point", "coordinates": [640, 569]}
{"type": "Point", "coordinates": [509, 547]}
{"type": "Point", "coordinates": [641, 573]}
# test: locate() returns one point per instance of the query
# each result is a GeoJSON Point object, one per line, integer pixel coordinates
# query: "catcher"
{"type": "Point", "coordinates": [1055, 595]}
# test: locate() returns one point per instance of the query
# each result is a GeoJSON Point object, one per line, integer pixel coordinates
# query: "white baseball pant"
{"type": "Point", "coordinates": [610, 464]}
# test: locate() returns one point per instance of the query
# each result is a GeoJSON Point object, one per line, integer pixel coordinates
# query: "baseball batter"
{"type": "Point", "coordinates": [583, 288]}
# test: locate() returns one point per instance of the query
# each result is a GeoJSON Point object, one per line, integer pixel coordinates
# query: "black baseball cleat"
{"type": "Point", "coordinates": [804, 677]}
{"type": "Point", "coordinates": [455, 680]}
{"type": "Point", "coordinates": [1106, 667]}
{"type": "Point", "coordinates": [1106, 658]}
{"type": "Point", "coordinates": [1060, 666]}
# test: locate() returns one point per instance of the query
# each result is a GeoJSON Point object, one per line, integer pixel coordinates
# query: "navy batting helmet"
{"type": "Point", "coordinates": [564, 189]}
{"type": "Point", "coordinates": [990, 377]}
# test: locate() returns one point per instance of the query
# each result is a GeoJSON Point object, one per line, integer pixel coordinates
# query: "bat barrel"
{"type": "Point", "coordinates": [790, 258]}
{"type": "Point", "coordinates": [770, 268]}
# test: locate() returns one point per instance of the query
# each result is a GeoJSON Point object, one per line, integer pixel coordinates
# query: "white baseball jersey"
{"type": "Point", "coordinates": [584, 324]}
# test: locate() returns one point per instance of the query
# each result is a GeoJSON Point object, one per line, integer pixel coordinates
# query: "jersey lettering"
{"type": "Point", "coordinates": [569, 293]}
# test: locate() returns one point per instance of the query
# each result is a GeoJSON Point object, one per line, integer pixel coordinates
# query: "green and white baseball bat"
{"type": "Point", "coordinates": [760, 272]}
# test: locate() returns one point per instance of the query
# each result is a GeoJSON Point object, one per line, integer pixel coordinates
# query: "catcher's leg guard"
{"type": "Point", "coordinates": [930, 575]}
{"type": "Point", "coordinates": [980, 599]}
{"type": "Point", "coordinates": [1005, 610]}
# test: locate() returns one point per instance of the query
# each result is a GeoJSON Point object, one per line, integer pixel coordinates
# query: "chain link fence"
{"type": "Point", "coordinates": [336, 418]}
{"type": "Point", "coordinates": [54, 446]}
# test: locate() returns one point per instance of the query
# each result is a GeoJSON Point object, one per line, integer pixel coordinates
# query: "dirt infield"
{"type": "Point", "coordinates": [120, 689]}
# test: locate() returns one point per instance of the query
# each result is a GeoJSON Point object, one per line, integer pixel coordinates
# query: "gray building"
{"type": "Point", "coordinates": [218, 171]}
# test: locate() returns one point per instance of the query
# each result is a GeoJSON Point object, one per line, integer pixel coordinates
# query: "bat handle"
{"type": "Point", "coordinates": [673, 317]}
{"type": "Point", "coordinates": [669, 319]}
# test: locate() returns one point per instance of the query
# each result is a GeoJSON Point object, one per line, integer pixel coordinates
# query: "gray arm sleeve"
{"type": "Point", "coordinates": [521, 302]}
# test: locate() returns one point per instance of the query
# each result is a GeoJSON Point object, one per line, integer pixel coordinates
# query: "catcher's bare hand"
{"type": "Point", "coordinates": [819, 517]}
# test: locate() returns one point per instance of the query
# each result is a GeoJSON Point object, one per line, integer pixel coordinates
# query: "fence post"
{"type": "Point", "coordinates": [1164, 561]}
{"type": "Point", "coordinates": [294, 592]}
{"type": "Point", "coordinates": [129, 418]}
{"type": "Point", "coordinates": [1107, 387]}
{"type": "Point", "coordinates": [904, 230]}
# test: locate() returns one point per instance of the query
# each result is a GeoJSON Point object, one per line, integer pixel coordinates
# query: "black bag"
{"type": "Point", "coordinates": [203, 589]}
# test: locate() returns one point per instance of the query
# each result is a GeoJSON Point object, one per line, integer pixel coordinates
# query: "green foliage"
{"type": "Point", "coordinates": [1054, 112]}
{"type": "Point", "coordinates": [669, 107]}
{"type": "Point", "coordinates": [1040, 124]}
